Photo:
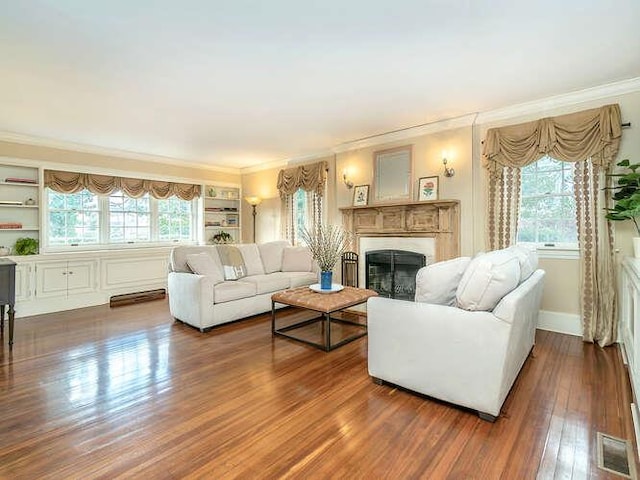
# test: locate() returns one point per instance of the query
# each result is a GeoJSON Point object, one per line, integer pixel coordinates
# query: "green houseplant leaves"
{"type": "Point", "coordinates": [627, 195]}
{"type": "Point", "coordinates": [26, 246]}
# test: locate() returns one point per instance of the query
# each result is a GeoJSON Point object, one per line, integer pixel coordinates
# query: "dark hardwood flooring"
{"type": "Point", "coordinates": [129, 393]}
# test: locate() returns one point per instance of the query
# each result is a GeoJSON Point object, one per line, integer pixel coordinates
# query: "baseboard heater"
{"type": "Point", "coordinates": [137, 297]}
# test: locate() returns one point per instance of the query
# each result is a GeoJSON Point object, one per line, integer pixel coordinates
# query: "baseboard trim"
{"type": "Point", "coordinates": [569, 323]}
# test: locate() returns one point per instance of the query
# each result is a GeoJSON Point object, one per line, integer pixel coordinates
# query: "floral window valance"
{"type": "Point", "coordinates": [310, 178]}
{"type": "Point", "coordinates": [71, 182]}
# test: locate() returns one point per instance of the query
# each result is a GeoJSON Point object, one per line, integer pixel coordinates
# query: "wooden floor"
{"type": "Point", "coordinates": [129, 393]}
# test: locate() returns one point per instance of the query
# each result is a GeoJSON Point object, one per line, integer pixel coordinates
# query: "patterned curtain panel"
{"type": "Point", "coordinates": [590, 138]}
{"type": "Point", "coordinates": [595, 237]}
{"type": "Point", "coordinates": [70, 182]}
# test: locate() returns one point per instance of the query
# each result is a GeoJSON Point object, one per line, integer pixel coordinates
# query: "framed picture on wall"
{"type": "Point", "coordinates": [427, 188]}
{"type": "Point", "coordinates": [360, 195]}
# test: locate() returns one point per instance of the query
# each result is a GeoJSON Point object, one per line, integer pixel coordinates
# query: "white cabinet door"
{"type": "Point", "coordinates": [56, 279]}
{"type": "Point", "coordinates": [51, 279]}
{"type": "Point", "coordinates": [81, 277]}
{"type": "Point", "coordinates": [23, 281]}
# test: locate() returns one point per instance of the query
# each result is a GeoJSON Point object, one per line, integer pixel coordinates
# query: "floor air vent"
{"type": "Point", "coordinates": [615, 455]}
{"type": "Point", "coordinates": [129, 298]}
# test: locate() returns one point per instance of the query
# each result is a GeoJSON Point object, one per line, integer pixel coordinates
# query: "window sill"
{"type": "Point", "coordinates": [113, 247]}
{"type": "Point", "coordinates": [558, 253]}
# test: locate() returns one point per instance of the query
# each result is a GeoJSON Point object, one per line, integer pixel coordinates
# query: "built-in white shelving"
{"type": "Point", "coordinates": [221, 212]}
{"type": "Point", "coordinates": [22, 201]}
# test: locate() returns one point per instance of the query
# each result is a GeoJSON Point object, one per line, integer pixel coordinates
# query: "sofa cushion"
{"type": "Point", "coordinates": [178, 256]}
{"type": "Point", "coordinates": [204, 264]}
{"type": "Point", "coordinates": [272, 282]}
{"type": "Point", "coordinates": [296, 259]}
{"type": "Point", "coordinates": [528, 259]}
{"type": "Point", "coordinates": [271, 254]}
{"type": "Point", "coordinates": [228, 291]}
{"type": "Point", "coordinates": [252, 260]}
{"type": "Point", "coordinates": [487, 279]}
{"type": "Point", "coordinates": [437, 283]}
{"type": "Point", "coordinates": [232, 262]}
{"type": "Point", "coordinates": [301, 279]}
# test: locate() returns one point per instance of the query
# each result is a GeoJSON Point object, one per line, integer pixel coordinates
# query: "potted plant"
{"type": "Point", "coordinates": [26, 246]}
{"type": "Point", "coordinates": [222, 237]}
{"type": "Point", "coordinates": [326, 243]}
{"type": "Point", "coordinates": [627, 199]}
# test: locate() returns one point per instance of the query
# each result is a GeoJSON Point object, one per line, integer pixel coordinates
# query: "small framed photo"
{"type": "Point", "coordinates": [427, 188]}
{"type": "Point", "coordinates": [360, 195]}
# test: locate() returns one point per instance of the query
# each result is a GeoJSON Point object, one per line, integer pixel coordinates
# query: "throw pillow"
{"type": "Point", "coordinates": [271, 253]}
{"type": "Point", "coordinates": [203, 264]}
{"type": "Point", "coordinates": [252, 260]}
{"type": "Point", "coordinates": [297, 259]}
{"type": "Point", "coordinates": [487, 279]}
{"type": "Point", "coordinates": [232, 262]}
{"type": "Point", "coordinates": [528, 259]}
{"type": "Point", "coordinates": [437, 283]}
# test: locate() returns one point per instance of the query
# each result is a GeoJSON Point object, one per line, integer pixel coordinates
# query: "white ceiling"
{"type": "Point", "coordinates": [242, 82]}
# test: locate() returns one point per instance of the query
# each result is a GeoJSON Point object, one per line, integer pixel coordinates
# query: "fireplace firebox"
{"type": "Point", "coordinates": [392, 273]}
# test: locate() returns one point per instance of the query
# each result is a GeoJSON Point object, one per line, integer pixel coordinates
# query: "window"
{"type": "Point", "coordinates": [86, 219]}
{"type": "Point", "coordinates": [129, 218]}
{"type": "Point", "coordinates": [74, 219]}
{"type": "Point", "coordinates": [174, 219]}
{"type": "Point", "coordinates": [548, 207]}
{"type": "Point", "coordinates": [300, 212]}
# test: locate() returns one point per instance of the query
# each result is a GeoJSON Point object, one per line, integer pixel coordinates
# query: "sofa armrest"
{"type": "Point", "coordinates": [445, 352]}
{"type": "Point", "coordinates": [191, 297]}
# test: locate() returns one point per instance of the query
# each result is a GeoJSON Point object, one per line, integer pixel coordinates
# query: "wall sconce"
{"type": "Point", "coordinates": [448, 171]}
{"type": "Point", "coordinates": [346, 180]}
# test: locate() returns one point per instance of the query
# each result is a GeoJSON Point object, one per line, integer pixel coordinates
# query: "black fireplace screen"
{"type": "Point", "coordinates": [392, 273]}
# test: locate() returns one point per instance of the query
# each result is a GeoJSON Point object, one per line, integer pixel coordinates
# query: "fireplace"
{"type": "Point", "coordinates": [392, 273]}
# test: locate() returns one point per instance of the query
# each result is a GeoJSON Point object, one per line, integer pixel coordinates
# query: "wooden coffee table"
{"type": "Point", "coordinates": [325, 304]}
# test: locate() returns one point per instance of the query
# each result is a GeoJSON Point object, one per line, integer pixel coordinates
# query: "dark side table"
{"type": "Point", "coordinates": [7, 293]}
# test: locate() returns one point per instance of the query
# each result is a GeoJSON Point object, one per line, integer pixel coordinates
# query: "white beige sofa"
{"type": "Point", "coordinates": [206, 298]}
{"type": "Point", "coordinates": [467, 335]}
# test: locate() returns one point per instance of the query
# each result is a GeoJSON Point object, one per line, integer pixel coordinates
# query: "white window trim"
{"type": "Point", "coordinates": [104, 244]}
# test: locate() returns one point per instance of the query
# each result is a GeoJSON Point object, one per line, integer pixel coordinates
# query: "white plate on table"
{"type": "Point", "coordinates": [335, 287]}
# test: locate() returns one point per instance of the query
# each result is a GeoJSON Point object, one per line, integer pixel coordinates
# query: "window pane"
{"type": "Point", "coordinates": [129, 218]}
{"type": "Point", "coordinates": [547, 208]}
{"type": "Point", "coordinates": [73, 218]}
{"type": "Point", "coordinates": [174, 219]}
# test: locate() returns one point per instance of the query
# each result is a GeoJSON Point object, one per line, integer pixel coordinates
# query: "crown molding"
{"type": "Point", "coordinates": [288, 162]}
{"type": "Point", "coordinates": [405, 133]}
{"type": "Point", "coordinates": [109, 152]}
{"type": "Point", "coordinates": [558, 101]}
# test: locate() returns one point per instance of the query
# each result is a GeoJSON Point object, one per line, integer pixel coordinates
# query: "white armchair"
{"type": "Point", "coordinates": [468, 356]}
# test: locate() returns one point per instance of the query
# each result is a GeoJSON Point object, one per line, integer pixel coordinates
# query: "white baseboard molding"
{"type": "Point", "coordinates": [569, 323]}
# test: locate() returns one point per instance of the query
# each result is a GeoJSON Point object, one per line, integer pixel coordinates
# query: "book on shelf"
{"type": "Point", "coordinates": [10, 225]}
{"type": "Point", "coordinates": [20, 180]}
{"type": "Point", "coordinates": [10, 202]}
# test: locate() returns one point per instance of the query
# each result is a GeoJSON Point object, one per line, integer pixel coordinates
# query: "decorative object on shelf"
{"type": "Point", "coordinates": [212, 192]}
{"type": "Point", "coordinates": [448, 171]}
{"type": "Point", "coordinates": [254, 202]}
{"type": "Point", "coordinates": [26, 246]}
{"type": "Point", "coordinates": [327, 243]}
{"type": "Point", "coordinates": [361, 196]}
{"type": "Point", "coordinates": [29, 201]}
{"type": "Point", "coordinates": [427, 188]}
{"type": "Point", "coordinates": [4, 251]}
{"type": "Point", "coordinates": [222, 237]}
{"type": "Point", "coordinates": [627, 199]}
{"type": "Point", "coordinates": [20, 180]}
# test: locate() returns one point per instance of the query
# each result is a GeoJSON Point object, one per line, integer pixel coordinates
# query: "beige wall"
{"type": "Point", "coordinates": [263, 183]}
{"type": "Point", "coordinates": [427, 162]}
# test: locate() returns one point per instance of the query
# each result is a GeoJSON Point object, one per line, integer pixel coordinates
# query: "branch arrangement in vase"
{"type": "Point", "coordinates": [326, 243]}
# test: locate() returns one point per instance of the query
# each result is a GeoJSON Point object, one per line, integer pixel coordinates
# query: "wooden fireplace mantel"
{"type": "Point", "coordinates": [438, 219]}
